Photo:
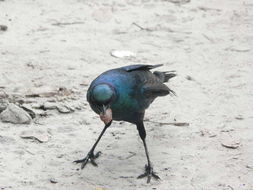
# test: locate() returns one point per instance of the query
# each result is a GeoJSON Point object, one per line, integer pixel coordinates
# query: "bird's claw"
{"type": "Point", "coordinates": [149, 173]}
{"type": "Point", "coordinates": [90, 157]}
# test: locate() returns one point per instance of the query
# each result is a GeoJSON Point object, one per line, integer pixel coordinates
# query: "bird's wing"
{"type": "Point", "coordinates": [130, 68]}
{"type": "Point", "coordinates": [154, 90]}
{"type": "Point", "coordinates": [152, 86]}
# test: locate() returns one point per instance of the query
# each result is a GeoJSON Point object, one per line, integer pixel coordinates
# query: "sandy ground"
{"type": "Point", "coordinates": [67, 43]}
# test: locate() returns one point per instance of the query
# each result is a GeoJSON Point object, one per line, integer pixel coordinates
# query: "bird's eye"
{"type": "Point", "coordinates": [102, 93]}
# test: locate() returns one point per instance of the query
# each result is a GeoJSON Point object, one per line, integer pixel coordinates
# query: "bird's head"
{"type": "Point", "coordinates": [102, 96]}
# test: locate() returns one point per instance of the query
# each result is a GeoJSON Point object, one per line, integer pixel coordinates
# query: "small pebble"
{"type": "Point", "coordinates": [53, 180]}
{"type": "Point", "coordinates": [3, 27]}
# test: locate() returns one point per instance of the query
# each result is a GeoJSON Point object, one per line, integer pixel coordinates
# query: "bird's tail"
{"type": "Point", "coordinates": [164, 76]}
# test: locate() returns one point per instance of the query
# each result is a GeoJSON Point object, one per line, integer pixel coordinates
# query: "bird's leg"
{"type": "Point", "coordinates": [148, 168]}
{"type": "Point", "coordinates": [91, 156]}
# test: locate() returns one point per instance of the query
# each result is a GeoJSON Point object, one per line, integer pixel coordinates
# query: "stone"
{"type": "Point", "coordinates": [3, 104]}
{"type": "Point", "coordinates": [64, 108]}
{"type": "Point", "coordinates": [15, 114]}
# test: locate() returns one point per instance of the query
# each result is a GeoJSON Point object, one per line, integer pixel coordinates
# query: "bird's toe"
{"type": "Point", "coordinates": [149, 173]}
{"type": "Point", "coordinates": [90, 157]}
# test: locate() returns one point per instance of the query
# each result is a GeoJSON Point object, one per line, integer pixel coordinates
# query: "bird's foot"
{"type": "Point", "coordinates": [90, 157]}
{"type": "Point", "coordinates": [149, 173]}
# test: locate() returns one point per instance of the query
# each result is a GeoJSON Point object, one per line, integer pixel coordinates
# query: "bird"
{"type": "Point", "coordinates": [123, 94]}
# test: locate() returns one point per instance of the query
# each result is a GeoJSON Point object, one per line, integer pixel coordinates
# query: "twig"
{"type": "Point", "coordinates": [29, 152]}
{"type": "Point", "coordinates": [237, 50]}
{"type": "Point", "coordinates": [142, 28]}
{"type": "Point", "coordinates": [66, 23]}
{"type": "Point", "coordinates": [130, 156]}
{"type": "Point", "coordinates": [179, 124]}
{"type": "Point", "coordinates": [126, 177]}
{"type": "Point", "coordinates": [209, 9]}
{"type": "Point", "coordinates": [208, 38]}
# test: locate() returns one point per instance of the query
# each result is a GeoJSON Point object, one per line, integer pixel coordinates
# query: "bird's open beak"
{"type": "Point", "coordinates": [106, 115]}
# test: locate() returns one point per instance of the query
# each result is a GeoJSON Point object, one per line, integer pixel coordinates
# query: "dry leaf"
{"type": "Point", "coordinates": [40, 136]}
{"type": "Point", "coordinates": [232, 145]}
{"type": "Point", "coordinates": [122, 53]}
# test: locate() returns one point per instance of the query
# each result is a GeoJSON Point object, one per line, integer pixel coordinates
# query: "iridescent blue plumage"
{"type": "Point", "coordinates": [126, 92]}
{"type": "Point", "coordinates": [135, 88]}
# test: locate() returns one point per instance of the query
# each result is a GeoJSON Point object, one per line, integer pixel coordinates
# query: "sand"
{"type": "Point", "coordinates": [65, 44]}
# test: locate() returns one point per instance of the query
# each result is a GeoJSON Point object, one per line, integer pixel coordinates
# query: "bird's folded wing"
{"type": "Point", "coordinates": [140, 67]}
{"type": "Point", "coordinates": [154, 90]}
